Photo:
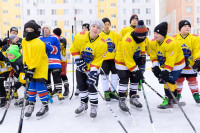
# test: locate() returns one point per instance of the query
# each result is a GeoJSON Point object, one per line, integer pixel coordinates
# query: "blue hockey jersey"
{"type": "Point", "coordinates": [53, 51]}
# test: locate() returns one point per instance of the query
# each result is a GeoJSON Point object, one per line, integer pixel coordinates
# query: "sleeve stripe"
{"type": "Point", "coordinates": [168, 67]}
{"type": "Point", "coordinates": [121, 63]}
{"type": "Point", "coordinates": [55, 50]}
{"type": "Point", "coordinates": [94, 66]}
{"type": "Point", "coordinates": [155, 60]}
{"type": "Point", "coordinates": [181, 62]}
{"type": "Point", "coordinates": [75, 53]}
{"type": "Point", "coordinates": [132, 68]}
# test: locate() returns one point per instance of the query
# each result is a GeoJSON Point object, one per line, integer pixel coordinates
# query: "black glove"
{"type": "Point", "coordinates": [141, 60]}
{"type": "Point", "coordinates": [81, 65]}
{"type": "Point", "coordinates": [156, 71]}
{"type": "Point", "coordinates": [25, 67]}
{"type": "Point", "coordinates": [17, 85]}
{"type": "Point", "coordinates": [197, 65]}
{"type": "Point", "coordinates": [8, 64]}
{"type": "Point", "coordinates": [29, 74]}
{"type": "Point", "coordinates": [164, 76]}
{"type": "Point", "coordinates": [138, 75]}
{"type": "Point", "coordinates": [92, 78]}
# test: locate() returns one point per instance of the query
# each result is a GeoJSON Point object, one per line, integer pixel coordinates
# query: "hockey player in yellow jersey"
{"type": "Point", "coordinates": [166, 54]}
{"type": "Point", "coordinates": [129, 57]}
{"type": "Point", "coordinates": [108, 65]}
{"type": "Point", "coordinates": [190, 46]}
{"type": "Point", "coordinates": [133, 22]}
{"type": "Point", "coordinates": [88, 50]}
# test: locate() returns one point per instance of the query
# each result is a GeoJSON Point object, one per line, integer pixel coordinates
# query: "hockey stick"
{"type": "Point", "coordinates": [23, 107]}
{"type": "Point", "coordinates": [8, 104]}
{"type": "Point", "coordinates": [72, 66]}
{"type": "Point", "coordinates": [155, 91]}
{"type": "Point", "coordinates": [150, 117]}
{"type": "Point", "coordinates": [110, 109]}
{"type": "Point", "coordinates": [177, 102]}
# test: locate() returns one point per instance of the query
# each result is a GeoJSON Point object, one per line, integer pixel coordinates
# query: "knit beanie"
{"type": "Point", "coordinates": [12, 37]}
{"type": "Point", "coordinates": [182, 23]}
{"type": "Point", "coordinates": [162, 28]}
{"type": "Point", "coordinates": [106, 20]}
{"type": "Point", "coordinates": [140, 29]}
{"type": "Point", "coordinates": [86, 25]}
{"type": "Point", "coordinates": [134, 16]}
{"type": "Point", "coordinates": [57, 31]}
{"type": "Point", "coordinates": [97, 22]}
{"type": "Point", "coordinates": [46, 26]}
{"type": "Point", "coordinates": [13, 29]}
{"type": "Point", "coordinates": [14, 50]}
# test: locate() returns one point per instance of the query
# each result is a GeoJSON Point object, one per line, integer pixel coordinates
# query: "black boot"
{"type": "Point", "coordinates": [3, 102]}
{"type": "Point", "coordinates": [66, 92]}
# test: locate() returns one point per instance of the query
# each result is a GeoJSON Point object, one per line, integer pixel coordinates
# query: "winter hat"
{"type": "Point", "coordinates": [182, 23]}
{"type": "Point", "coordinates": [47, 26]}
{"type": "Point", "coordinates": [161, 28]}
{"type": "Point", "coordinates": [134, 16]}
{"type": "Point", "coordinates": [12, 37]}
{"type": "Point", "coordinates": [31, 25]}
{"type": "Point", "coordinates": [57, 31]}
{"type": "Point", "coordinates": [140, 29]}
{"type": "Point", "coordinates": [14, 29]}
{"type": "Point", "coordinates": [97, 22]}
{"type": "Point", "coordinates": [86, 25]}
{"type": "Point", "coordinates": [14, 50]}
{"type": "Point", "coordinates": [106, 20]}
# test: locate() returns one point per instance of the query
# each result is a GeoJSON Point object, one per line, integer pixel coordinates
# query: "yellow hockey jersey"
{"type": "Point", "coordinates": [110, 38]}
{"type": "Point", "coordinates": [125, 30]}
{"type": "Point", "coordinates": [92, 51]}
{"type": "Point", "coordinates": [34, 55]}
{"type": "Point", "coordinates": [128, 51]}
{"type": "Point", "coordinates": [167, 54]}
{"type": "Point", "coordinates": [191, 49]}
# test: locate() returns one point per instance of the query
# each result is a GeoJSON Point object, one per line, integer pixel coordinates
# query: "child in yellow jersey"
{"type": "Point", "coordinates": [129, 57]}
{"type": "Point", "coordinates": [89, 49]}
{"type": "Point", "coordinates": [190, 46]}
{"type": "Point", "coordinates": [166, 54]}
{"type": "Point", "coordinates": [133, 22]}
{"type": "Point", "coordinates": [35, 57]}
{"type": "Point", "coordinates": [108, 65]}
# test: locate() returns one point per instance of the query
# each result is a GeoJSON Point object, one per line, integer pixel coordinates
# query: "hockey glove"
{"type": "Point", "coordinates": [92, 78]}
{"type": "Point", "coordinates": [141, 60]}
{"type": "Point", "coordinates": [81, 65]}
{"type": "Point", "coordinates": [156, 71]}
{"type": "Point", "coordinates": [29, 74]}
{"type": "Point", "coordinates": [25, 67]}
{"type": "Point", "coordinates": [196, 66]}
{"type": "Point", "coordinates": [17, 85]}
{"type": "Point", "coordinates": [164, 76]}
{"type": "Point", "coordinates": [138, 75]}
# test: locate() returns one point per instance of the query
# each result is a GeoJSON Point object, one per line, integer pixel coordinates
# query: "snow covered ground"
{"type": "Point", "coordinates": [61, 118]}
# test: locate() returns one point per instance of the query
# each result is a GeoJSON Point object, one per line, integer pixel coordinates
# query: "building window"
{"type": "Point", "coordinates": [148, 22]}
{"type": "Point", "coordinates": [4, 1]}
{"type": "Point", "coordinates": [78, 1]}
{"type": "Point", "coordinates": [148, 1]}
{"type": "Point", "coordinates": [54, 23]}
{"type": "Point", "coordinates": [53, 1]}
{"type": "Point", "coordinates": [65, 11]}
{"type": "Point", "coordinates": [53, 11]}
{"type": "Point", "coordinates": [124, 11]}
{"type": "Point", "coordinates": [67, 34]}
{"type": "Point", "coordinates": [101, 11]}
{"type": "Point", "coordinates": [65, 1]}
{"type": "Point", "coordinates": [135, 11]}
{"type": "Point", "coordinates": [41, 23]}
{"type": "Point", "coordinates": [79, 23]}
{"type": "Point", "coordinates": [124, 22]}
{"type": "Point", "coordinates": [78, 11]}
{"type": "Point", "coordinates": [135, 1]}
{"type": "Point", "coordinates": [40, 12]}
{"type": "Point", "coordinates": [188, 19]}
{"type": "Point", "coordinates": [113, 5]}
{"type": "Point", "coordinates": [90, 11]}
{"type": "Point", "coordinates": [101, 0]}
{"type": "Point", "coordinates": [27, 1]}
{"type": "Point", "coordinates": [17, 5]}
{"type": "Point", "coordinates": [188, 9]}
{"type": "Point", "coordinates": [113, 26]}
{"type": "Point", "coordinates": [5, 23]}
{"type": "Point", "coordinates": [68, 46]}
{"type": "Point", "coordinates": [40, 1]}
{"type": "Point", "coordinates": [18, 16]}
{"type": "Point", "coordinates": [148, 10]}
{"type": "Point", "coordinates": [198, 9]}
{"type": "Point", "coordinates": [113, 15]}
{"type": "Point", "coordinates": [90, 1]}
{"type": "Point", "coordinates": [5, 11]}
{"type": "Point", "coordinates": [198, 31]}
{"type": "Point", "coordinates": [66, 23]}
{"type": "Point", "coordinates": [149, 33]}
{"type": "Point", "coordinates": [198, 20]}
{"type": "Point", "coordinates": [28, 12]}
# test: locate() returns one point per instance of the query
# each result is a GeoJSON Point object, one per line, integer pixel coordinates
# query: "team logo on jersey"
{"type": "Point", "coordinates": [161, 58]}
{"type": "Point", "coordinates": [49, 43]}
{"type": "Point", "coordinates": [87, 54]}
{"type": "Point", "coordinates": [111, 45]}
{"type": "Point", "coordinates": [137, 54]}
{"type": "Point", "coordinates": [186, 51]}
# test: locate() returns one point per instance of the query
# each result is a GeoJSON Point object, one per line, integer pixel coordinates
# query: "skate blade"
{"type": "Point", "coordinates": [92, 119]}
{"type": "Point", "coordinates": [124, 112]}
{"type": "Point", "coordinates": [168, 110]}
{"type": "Point", "coordinates": [27, 118]}
{"type": "Point", "coordinates": [82, 113]}
{"type": "Point", "coordinates": [134, 107]}
{"type": "Point", "coordinates": [41, 117]}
